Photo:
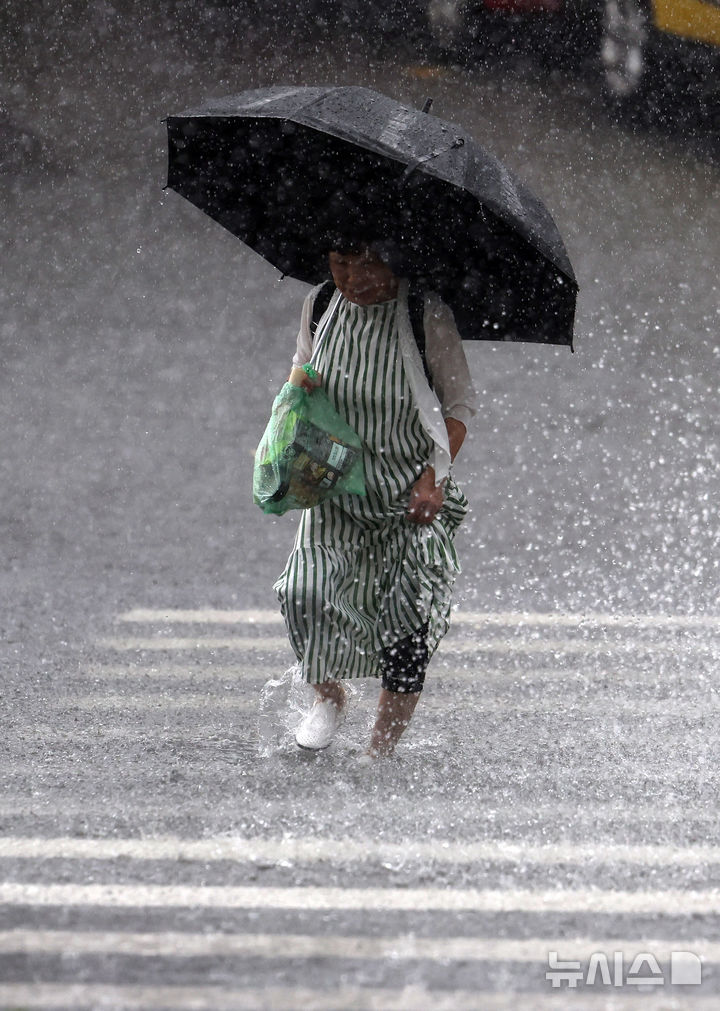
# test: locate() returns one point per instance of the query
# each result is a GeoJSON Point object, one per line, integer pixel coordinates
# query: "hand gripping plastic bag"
{"type": "Point", "coordinates": [307, 453]}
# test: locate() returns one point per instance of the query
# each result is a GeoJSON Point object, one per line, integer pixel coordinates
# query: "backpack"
{"type": "Point", "coordinates": [416, 311]}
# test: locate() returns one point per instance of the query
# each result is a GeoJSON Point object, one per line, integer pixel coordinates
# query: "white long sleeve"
{"type": "Point", "coordinates": [447, 362]}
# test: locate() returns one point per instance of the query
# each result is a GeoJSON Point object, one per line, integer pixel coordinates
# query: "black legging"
{"type": "Point", "coordinates": [404, 663]}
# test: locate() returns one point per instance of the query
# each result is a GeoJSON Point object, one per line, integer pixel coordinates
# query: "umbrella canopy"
{"type": "Point", "coordinates": [295, 171]}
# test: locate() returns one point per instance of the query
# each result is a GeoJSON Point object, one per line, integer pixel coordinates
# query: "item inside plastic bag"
{"type": "Point", "coordinates": [307, 453]}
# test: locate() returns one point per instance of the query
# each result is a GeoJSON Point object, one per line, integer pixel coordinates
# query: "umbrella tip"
{"type": "Point", "coordinates": [428, 105]}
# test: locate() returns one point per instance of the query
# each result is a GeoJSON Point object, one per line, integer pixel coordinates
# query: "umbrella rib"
{"type": "Point", "coordinates": [414, 165]}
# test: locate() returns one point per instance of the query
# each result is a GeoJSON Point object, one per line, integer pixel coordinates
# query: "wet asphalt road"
{"type": "Point", "coordinates": [558, 788]}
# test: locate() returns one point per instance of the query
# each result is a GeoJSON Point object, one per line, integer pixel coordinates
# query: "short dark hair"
{"type": "Point", "coordinates": [351, 244]}
{"type": "Point", "coordinates": [355, 245]}
{"type": "Point", "coordinates": [349, 248]}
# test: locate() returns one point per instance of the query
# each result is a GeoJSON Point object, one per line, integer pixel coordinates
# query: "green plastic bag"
{"type": "Point", "coordinates": [307, 453]}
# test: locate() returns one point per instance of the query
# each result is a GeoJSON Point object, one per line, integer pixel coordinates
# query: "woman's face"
{"type": "Point", "coordinates": [363, 278]}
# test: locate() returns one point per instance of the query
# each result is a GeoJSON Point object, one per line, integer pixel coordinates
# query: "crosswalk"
{"type": "Point", "coordinates": [556, 794]}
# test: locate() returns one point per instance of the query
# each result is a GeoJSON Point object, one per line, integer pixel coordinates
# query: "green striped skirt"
{"type": "Point", "coordinates": [361, 576]}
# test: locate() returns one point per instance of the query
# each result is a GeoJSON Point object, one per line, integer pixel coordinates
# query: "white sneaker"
{"type": "Point", "coordinates": [320, 725]}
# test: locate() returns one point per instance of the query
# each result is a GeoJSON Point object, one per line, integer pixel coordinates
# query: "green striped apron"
{"type": "Point", "coordinates": [361, 575]}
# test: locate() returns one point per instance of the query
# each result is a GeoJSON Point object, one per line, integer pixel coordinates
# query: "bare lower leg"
{"type": "Point", "coordinates": [393, 715]}
{"type": "Point", "coordinates": [331, 691]}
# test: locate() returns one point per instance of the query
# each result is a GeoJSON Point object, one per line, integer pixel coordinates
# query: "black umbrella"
{"type": "Point", "coordinates": [294, 171]}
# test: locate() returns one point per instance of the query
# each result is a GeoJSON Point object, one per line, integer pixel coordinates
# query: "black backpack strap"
{"type": "Point", "coordinates": [416, 311]}
{"type": "Point", "coordinates": [320, 305]}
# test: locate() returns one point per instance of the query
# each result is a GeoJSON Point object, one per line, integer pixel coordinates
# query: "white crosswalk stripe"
{"type": "Point", "coordinates": [443, 851]}
{"type": "Point", "coordinates": [515, 619]}
{"type": "Point", "coordinates": [88, 997]}
{"type": "Point", "coordinates": [442, 670]}
{"type": "Point", "coordinates": [177, 644]}
{"type": "Point", "coordinates": [498, 634]}
{"type": "Point", "coordinates": [182, 944]}
{"type": "Point", "coordinates": [662, 709]}
{"type": "Point", "coordinates": [602, 815]}
{"type": "Point", "coordinates": [71, 902]}
{"type": "Point", "coordinates": [594, 901]}
{"type": "Point", "coordinates": [473, 647]}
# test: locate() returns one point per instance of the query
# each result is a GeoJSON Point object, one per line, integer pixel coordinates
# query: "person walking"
{"type": "Point", "coordinates": [367, 587]}
{"type": "Point", "coordinates": [366, 591]}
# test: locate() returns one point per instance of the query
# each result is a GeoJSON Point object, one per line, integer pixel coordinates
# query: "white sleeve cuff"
{"type": "Point", "coordinates": [460, 413]}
